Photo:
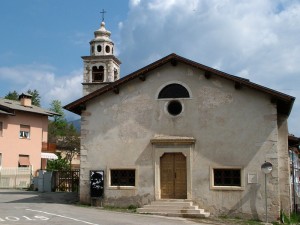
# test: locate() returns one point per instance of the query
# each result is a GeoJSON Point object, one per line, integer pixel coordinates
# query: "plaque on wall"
{"type": "Point", "coordinates": [252, 178]}
{"type": "Point", "coordinates": [96, 183]}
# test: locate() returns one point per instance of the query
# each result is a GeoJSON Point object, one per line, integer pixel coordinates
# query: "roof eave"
{"type": "Point", "coordinates": [283, 100]}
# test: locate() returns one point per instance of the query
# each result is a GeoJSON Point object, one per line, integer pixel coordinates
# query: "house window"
{"type": "Point", "coordinates": [227, 177]}
{"type": "Point", "coordinates": [25, 131]}
{"type": "Point", "coordinates": [174, 91]}
{"type": "Point", "coordinates": [98, 73]}
{"type": "Point", "coordinates": [1, 128]}
{"type": "Point", "coordinates": [24, 161]}
{"type": "Point", "coordinates": [122, 177]}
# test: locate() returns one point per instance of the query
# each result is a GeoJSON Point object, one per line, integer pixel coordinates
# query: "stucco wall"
{"type": "Point", "coordinates": [233, 128]}
{"type": "Point", "coordinates": [12, 146]}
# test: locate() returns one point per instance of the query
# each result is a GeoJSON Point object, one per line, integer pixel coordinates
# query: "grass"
{"type": "Point", "coordinates": [293, 219]}
{"type": "Point", "coordinates": [131, 208]}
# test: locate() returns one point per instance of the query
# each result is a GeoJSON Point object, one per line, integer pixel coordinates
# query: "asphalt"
{"type": "Point", "coordinates": [39, 197]}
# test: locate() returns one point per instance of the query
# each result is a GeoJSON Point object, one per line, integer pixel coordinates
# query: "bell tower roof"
{"type": "Point", "coordinates": [102, 34]}
{"type": "Point", "coordinates": [101, 67]}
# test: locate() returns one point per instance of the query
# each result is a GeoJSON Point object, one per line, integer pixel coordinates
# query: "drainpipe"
{"type": "Point", "coordinates": [293, 176]}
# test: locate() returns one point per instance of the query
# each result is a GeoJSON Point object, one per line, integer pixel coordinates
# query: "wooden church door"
{"type": "Point", "coordinates": [173, 176]}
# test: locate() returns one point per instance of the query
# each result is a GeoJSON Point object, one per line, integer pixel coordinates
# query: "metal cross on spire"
{"type": "Point", "coordinates": [102, 12]}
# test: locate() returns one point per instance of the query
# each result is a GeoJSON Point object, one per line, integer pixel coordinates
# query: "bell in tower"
{"type": "Point", "coordinates": [101, 67]}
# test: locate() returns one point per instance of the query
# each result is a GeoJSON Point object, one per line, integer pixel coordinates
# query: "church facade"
{"type": "Point", "coordinates": [177, 129]}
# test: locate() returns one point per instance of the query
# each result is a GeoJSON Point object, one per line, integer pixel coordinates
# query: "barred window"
{"type": "Point", "coordinates": [227, 177]}
{"type": "Point", "coordinates": [124, 177]}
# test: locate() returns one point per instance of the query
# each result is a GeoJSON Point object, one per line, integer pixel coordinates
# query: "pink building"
{"type": "Point", "coordinates": [23, 133]}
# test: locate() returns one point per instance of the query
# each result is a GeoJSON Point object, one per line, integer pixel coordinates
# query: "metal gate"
{"type": "Point", "coordinates": [67, 180]}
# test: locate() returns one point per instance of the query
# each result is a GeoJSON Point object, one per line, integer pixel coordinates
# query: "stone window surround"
{"type": "Point", "coordinates": [173, 82]}
{"type": "Point", "coordinates": [229, 188]}
{"type": "Point", "coordinates": [108, 177]}
{"type": "Point", "coordinates": [90, 71]}
{"type": "Point", "coordinates": [172, 145]}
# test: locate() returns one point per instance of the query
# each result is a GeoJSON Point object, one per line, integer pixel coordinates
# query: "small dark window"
{"type": "Point", "coordinates": [174, 91]}
{"type": "Point", "coordinates": [115, 74]}
{"type": "Point", "coordinates": [92, 48]}
{"type": "Point", "coordinates": [99, 48]}
{"type": "Point", "coordinates": [174, 108]}
{"type": "Point", "coordinates": [227, 177]}
{"type": "Point", "coordinates": [122, 177]}
{"type": "Point", "coordinates": [107, 49]}
{"type": "Point", "coordinates": [98, 74]}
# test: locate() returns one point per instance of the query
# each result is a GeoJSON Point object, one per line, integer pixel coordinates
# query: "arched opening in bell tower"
{"type": "Point", "coordinates": [98, 74]}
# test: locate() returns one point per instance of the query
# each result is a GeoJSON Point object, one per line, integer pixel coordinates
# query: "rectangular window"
{"type": "Point", "coordinates": [1, 128]}
{"type": "Point", "coordinates": [122, 177]}
{"type": "Point", "coordinates": [24, 131]}
{"type": "Point", "coordinates": [24, 161]}
{"type": "Point", "coordinates": [227, 177]}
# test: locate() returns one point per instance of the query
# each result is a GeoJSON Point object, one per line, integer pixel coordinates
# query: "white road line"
{"type": "Point", "coordinates": [66, 217]}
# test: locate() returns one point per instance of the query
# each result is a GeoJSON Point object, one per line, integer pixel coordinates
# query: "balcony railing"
{"type": "Point", "coordinates": [48, 147]}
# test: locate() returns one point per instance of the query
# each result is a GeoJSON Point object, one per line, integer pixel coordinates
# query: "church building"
{"type": "Point", "coordinates": [176, 129]}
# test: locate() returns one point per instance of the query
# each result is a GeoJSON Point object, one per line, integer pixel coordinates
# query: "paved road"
{"type": "Point", "coordinates": [26, 207]}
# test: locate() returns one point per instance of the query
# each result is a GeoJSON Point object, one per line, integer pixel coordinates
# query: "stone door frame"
{"type": "Point", "coordinates": [184, 146]}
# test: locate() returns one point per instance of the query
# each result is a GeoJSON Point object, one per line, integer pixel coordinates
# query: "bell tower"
{"type": "Point", "coordinates": [101, 67]}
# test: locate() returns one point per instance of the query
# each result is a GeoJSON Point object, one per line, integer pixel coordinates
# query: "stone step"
{"type": "Point", "coordinates": [173, 207]}
{"type": "Point", "coordinates": [168, 210]}
{"type": "Point", "coordinates": [166, 203]}
{"type": "Point", "coordinates": [184, 215]}
{"type": "Point", "coordinates": [156, 206]}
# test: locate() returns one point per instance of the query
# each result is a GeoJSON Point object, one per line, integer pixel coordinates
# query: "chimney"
{"type": "Point", "coordinates": [25, 99]}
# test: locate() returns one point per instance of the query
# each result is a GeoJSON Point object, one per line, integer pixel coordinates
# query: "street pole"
{"type": "Point", "coordinates": [266, 168]}
{"type": "Point", "coordinates": [266, 200]}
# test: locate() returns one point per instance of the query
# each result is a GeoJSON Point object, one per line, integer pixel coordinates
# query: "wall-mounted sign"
{"type": "Point", "coordinates": [97, 183]}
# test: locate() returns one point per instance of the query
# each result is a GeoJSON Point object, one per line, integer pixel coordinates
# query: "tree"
{"type": "Point", "coordinates": [36, 98]}
{"type": "Point", "coordinates": [57, 127]}
{"type": "Point", "coordinates": [12, 96]}
{"type": "Point", "coordinates": [63, 134]}
{"type": "Point", "coordinates": [58, 164]}
{"type": "Point", "coordinates": [69, 143]}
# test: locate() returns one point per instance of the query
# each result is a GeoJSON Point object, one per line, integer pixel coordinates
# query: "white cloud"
{"type": "Point", "coordinates": [134, 3]}
{"type": "Point", "coordinates": [255, 39]}
{"type": "Point", "coordinates": [42, 78]}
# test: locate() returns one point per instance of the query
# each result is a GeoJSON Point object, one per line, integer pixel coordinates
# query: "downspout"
{"type": "Point", "coordinates": [293, 176]}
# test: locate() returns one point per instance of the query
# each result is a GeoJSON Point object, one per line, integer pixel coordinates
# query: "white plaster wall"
{"type": "Point", "coordinates": [231, 127]}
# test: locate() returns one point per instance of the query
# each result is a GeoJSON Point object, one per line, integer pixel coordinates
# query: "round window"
{"type": "Point", "coordinates": [174, 108]}
{"type": "Point", "coordinates": [107, 49]}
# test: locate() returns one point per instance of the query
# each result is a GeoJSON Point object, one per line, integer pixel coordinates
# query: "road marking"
{"type": "Point", "coordinates": [66, 217]}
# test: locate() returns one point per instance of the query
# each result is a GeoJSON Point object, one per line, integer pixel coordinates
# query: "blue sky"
{"type": "Point", "coordinates": [42, 41]}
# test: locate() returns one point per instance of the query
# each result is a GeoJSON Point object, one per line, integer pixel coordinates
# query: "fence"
{"type": "Point", "coordinates": [16, 177]}
{"type": "Point", "coordinates": [67, 180]}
